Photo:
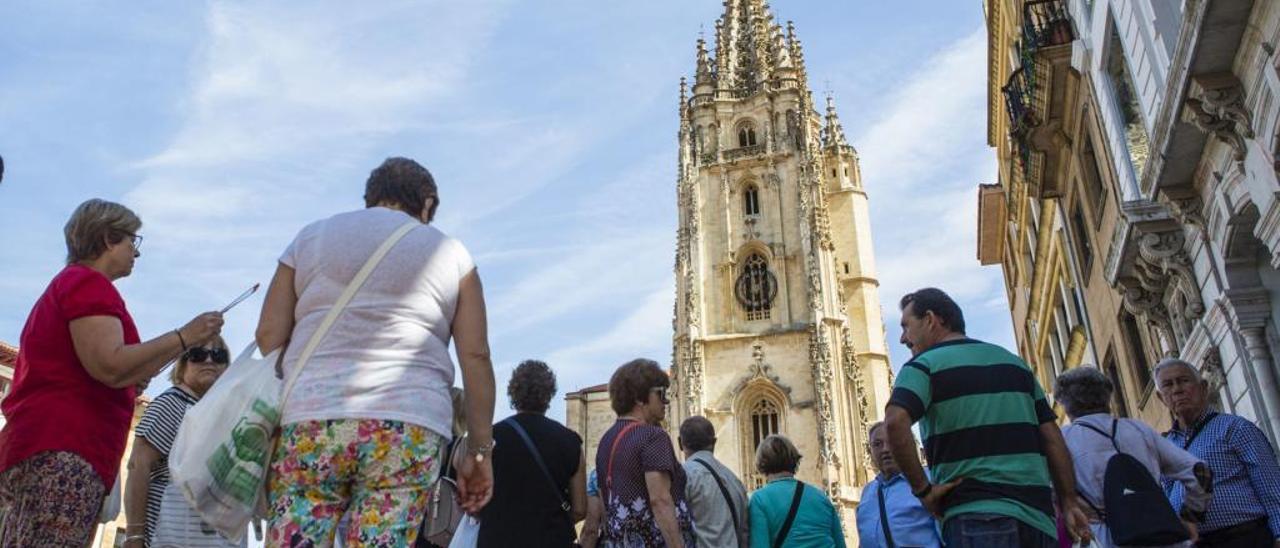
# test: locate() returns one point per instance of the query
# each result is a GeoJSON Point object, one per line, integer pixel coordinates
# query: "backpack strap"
{"type": "Point", "coordinates": [791, 515]}
{"type": "Point", "coordinates": [537, 458]}
{"type": "Point", "coordinates": [733, 511]}
{"type": "Point", "coordinates": [1111, 436]}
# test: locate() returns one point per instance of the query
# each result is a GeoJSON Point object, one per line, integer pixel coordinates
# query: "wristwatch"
{"type": "Point", "coordinates": [480, 452]}
{"type": "Point", "coordinates": [928, 488]}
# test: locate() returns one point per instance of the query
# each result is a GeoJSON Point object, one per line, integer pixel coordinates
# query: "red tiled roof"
{"type": "Point", "coordinates": [8, 354]}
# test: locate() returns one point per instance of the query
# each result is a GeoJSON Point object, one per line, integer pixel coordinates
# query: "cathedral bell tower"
{"type": "Point", "coordinates": [777, 315]}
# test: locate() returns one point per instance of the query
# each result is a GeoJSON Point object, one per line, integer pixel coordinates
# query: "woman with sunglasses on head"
{"type": "Point", "coordinates": [148, 483]}
{"type": "Point", "coordinates": [80, 361]}
{"type": "Point", "coordinates": [640, 481]}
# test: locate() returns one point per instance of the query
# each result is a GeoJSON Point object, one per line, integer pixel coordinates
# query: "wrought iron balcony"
{"type": "Point", "coordinates": [1019, 100]}
{"type": "Point", "coordinates": [1046, 23]}
{"type": "Point", "coordinates": [1033, 95]}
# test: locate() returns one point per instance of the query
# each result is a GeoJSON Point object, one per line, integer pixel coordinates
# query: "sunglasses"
{"type": "Point", "coordinates": [662, 394]}
{"type": "Point", "coordinates": [199, 354]}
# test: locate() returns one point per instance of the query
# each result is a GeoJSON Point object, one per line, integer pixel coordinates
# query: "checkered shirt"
{"type": "Point", "coordinates": [1246, 475]}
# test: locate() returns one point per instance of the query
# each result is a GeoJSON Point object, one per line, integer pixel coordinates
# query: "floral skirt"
{"type": "Point", "coordinates": [50, 499]}
{"type": "Point", "coordinates": [371, 474]}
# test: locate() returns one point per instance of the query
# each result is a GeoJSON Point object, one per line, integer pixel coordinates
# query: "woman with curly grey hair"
{"type": "Point", "coordinates": [1085, 393]}
{"type": "Point", "coordinates": [539, 472]}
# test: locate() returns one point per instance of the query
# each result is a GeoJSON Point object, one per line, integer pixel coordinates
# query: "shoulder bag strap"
{"type": "Point", "coordinates": [733, 511]}
{"type": "Point", "coordinates": [608, 473]}
{"type": "Point", "coordinates": [537, 458]}
{"type": "Point", "coordinates": [791, 515]}
{"type": "Point", "coordinates": [884, 517]}
{"type": "Point", "coordinates": [1200, 428]}
{"type": "Point", "coordinates": [341, 304]}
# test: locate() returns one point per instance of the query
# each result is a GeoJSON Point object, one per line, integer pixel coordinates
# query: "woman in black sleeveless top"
{"type": "Point", "coordinates": [532, 507]}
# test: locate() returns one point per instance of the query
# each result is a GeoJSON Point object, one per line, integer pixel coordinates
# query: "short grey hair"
{"type": "Point", "coordinates": [871, 431]}
{"type": "Point", "coordinates": [1083, 390]}
{"type": "Point", "coordinates": [1174, 362]}
{"type": "Point", "coordinates": [94, 225]}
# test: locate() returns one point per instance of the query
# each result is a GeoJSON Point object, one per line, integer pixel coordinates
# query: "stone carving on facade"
{"type": "Point", "coordinates": [854, 373]}
{"type": "Point", "coordinates": [1212, 373]}
{"type": "Point", "coordinates": [820, 362]}
{"type": "Point", "coordinates": [1161, 286]}
{"type": "Point", "coordinates": [1218, 109]}
{"type": "Point", "coordinates": [1188, 210]}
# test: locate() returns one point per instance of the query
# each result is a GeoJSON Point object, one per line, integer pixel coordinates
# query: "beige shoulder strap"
{"type": "Point", "coordinates": [341, 304]}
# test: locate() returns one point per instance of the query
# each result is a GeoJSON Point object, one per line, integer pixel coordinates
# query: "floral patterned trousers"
{"type": "Point", "coordinates": [371, 474]}
{"type": "Point", "coordinates": [50, 499]}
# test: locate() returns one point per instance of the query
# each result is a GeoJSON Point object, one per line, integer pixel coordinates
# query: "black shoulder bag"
{"type": "Point", "coordinates": [791, 515]}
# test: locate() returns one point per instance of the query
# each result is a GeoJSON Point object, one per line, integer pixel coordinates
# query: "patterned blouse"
{"type": "Point", "coordinates": [628, 518]}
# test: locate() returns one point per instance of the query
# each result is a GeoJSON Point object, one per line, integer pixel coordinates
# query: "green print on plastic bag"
{"type": "Point", "coordinates": [238, 467]}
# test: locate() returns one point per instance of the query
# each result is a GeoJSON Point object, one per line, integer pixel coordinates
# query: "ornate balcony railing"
{"type": "Point", "coordinates": [743, 152]}
{"type": "Point", "coordinates": [1019, 95]}
{"type": "Point", "coordinates": [1046, 23]}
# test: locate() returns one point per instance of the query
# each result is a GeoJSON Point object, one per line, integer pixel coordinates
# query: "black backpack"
{"type": "Point", "coordinates": [1137, 511]}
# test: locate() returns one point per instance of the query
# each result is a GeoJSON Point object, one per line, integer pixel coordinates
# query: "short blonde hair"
{"type": "Point", "coordinates": [175, 374]}
{"type": "Point", "coordinates": [777, 454]}
{"type": "Point", "coordinates": [94, 225]}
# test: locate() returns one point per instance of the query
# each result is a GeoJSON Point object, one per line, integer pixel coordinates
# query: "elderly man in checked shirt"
{"type": "Point", "coordinates": [1245, 510]}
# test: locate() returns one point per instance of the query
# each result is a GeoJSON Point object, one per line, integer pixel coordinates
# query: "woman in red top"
{"type": "Point", "coordinates": [79, 363]}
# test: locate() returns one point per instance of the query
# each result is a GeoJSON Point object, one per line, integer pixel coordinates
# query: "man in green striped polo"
{"type": "Point", "coordinates": [989, 434]}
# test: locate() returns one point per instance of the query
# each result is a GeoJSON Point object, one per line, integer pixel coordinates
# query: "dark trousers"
{"type": "Point", "coordinates": [993, 531]}
{"type": "Point", "coordinates": [1246, 535]}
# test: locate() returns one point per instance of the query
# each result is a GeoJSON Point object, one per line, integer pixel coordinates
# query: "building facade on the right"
{"type": "Point", "coordinates": [1137, 215]}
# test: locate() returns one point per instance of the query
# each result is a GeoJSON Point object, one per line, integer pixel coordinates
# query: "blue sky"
{"type": "Point", "coordinates": [550, 126]}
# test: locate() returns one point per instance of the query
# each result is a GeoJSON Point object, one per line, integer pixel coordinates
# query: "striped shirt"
{"type": "Point", "coordinates": [1246, 477]}
{"type": "Point", "coordinates": [980, 409]}
{"type": "Point", "coordinates": [159, 426]}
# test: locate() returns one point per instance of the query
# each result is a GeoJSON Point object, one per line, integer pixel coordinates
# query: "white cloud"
{"type": "Point", "coordinates": [922, 160]}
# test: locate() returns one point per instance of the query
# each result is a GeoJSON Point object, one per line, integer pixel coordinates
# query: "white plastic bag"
{"type": "Point", "coordinates": [468, 533]}
{"type": "Point", "coordinates": [222, 453]}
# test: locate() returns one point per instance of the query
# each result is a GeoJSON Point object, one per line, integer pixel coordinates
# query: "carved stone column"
{"type": "Point", "coordinates": [1250, 310]}
{"type": "Point", "coordinates": [1255, 341]}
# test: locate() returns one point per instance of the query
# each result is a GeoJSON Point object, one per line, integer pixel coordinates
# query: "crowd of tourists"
{"type": "Point", "coordinates": [376, 447]}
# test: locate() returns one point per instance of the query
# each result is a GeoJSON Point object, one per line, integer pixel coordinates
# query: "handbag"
{"type": "Point", "coordinates": [444, 513]}
{"type": "Point", "coordinates": [222, 454]}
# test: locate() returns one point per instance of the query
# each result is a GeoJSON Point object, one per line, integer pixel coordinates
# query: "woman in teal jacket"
{"type": "Point", "coordinates": [815, 523]}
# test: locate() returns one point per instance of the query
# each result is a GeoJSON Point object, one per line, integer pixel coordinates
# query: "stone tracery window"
{"type": "Point", "coordinates": [746, 134]}
{"type": "Point", "coordinates": [764, 416]}
{"type": "Point", "coordinates": [756, 287]}
{"type": "Point", "coordinates": [751, 200]}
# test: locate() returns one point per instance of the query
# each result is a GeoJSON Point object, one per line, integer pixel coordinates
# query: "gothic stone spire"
{"type": "Point", "coordinates": [833, 133]}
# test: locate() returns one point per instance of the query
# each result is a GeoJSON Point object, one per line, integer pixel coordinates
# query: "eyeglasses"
{"type": "Point", "coordinates": [219, 356]}
{"type": "Point", "coordinates": [661, 391]}
{"type": "Point", "coordinates": [135, 239]}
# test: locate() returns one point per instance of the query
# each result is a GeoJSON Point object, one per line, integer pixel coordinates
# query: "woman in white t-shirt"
{"type": "Point", "coordinates": [364, 426]}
